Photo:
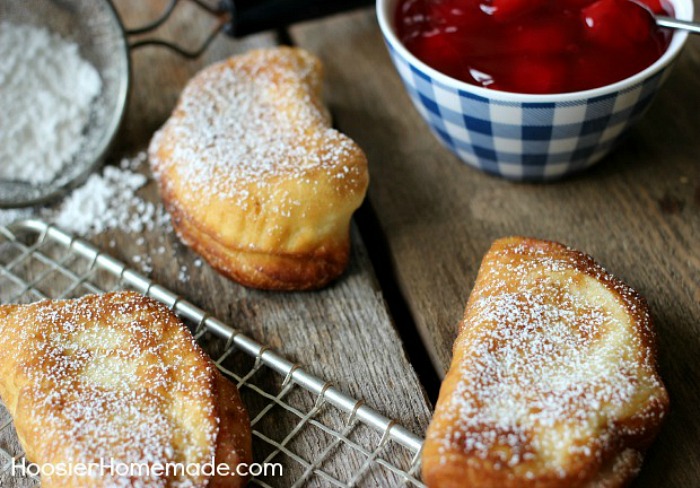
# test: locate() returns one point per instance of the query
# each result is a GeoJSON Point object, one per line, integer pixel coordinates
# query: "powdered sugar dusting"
{"type": "Point", "coordinates": [7, 216]}
{"type": "Point", "coordinates": [108, 200]}
{"type": "Point", "coordinates": [248, 121]}
{"type": "Point", "coordinates": [113, 200]}
{"type": "Point", "coordinates": [112, 377]}
{"type": "Point", "coordinates": [47, 95]}
{"type": "Point", "coordinates": [546, 360]}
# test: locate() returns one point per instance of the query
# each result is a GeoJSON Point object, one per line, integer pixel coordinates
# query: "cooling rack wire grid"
{"type": "Point", "coordinates": [344, 441]}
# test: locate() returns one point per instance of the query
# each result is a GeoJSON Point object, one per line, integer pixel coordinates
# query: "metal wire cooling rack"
{"type": "Point", "coordinates": [289, 408]}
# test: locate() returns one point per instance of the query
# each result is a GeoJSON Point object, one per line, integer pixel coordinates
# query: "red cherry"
{"type": "Point", "coordinates": [538, 74]}
{"type": "Point", "coordinates": [454, 14]}
{"type": "Point", "coordinates": [585, 73]}
{"type": "Point", "coordinates": [576, 4]}
{"type": "Point", "coordinates": [534, 46]}
{"type": "Point", "coordinates": [617, 23]}
{"type": "Point", "coordinates": [408, 9]}
{"type": "Point", "coordinates": [435, 45]}
{"type": "Point", "coordinates": [411, 19]}
{"type": "Point", "coordinates": [445, 11]}
{"type": "Point", "coordinates": [541, 38]}
{"type": "Point", "coordinates": [503, 10]}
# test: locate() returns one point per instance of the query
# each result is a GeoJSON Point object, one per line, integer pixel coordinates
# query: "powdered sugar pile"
{"type": "Point", "coordinates": [7, 216]}
{"type": "Point", "coordinates": [108, 200]}
{"type": "Point", "coordinates": [46, 99]}
{"type": "Point", "coordinates": [111, 201]}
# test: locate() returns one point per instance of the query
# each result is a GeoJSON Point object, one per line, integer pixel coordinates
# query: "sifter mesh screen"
{"type": "Point", "coordinates": [96, 28]}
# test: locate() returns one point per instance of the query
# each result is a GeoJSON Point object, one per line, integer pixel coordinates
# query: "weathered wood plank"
{"type": "Point", "coordinates": [343, 333]}
{"type": "Point", "coordinates": [351, 310]}
{"type": "Point", "coordinates": [638, 213]}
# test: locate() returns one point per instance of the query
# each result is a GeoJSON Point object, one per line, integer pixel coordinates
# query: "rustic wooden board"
{"type": "Point", "coordinates": [298, 324]}
{"type": "Point", "coordinates": [343, 333]}
{"type": "Point", "coordinates": [638, 213]}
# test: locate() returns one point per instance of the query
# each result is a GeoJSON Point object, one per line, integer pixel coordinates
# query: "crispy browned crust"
{"type": "Point", "coordinates": [284, 228]}
{"type": "Point", "coordinates": [234, 442]}
{"type": "Point", "coordinates": [60, 359]}
{"type": "Point", "coordinates": [265, 271]}
{"type": "Point", "coordinates": [610, 452]}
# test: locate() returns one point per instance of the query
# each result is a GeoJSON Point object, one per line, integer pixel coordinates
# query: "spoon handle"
{"type": "Point", "coordinates": [672, 23]}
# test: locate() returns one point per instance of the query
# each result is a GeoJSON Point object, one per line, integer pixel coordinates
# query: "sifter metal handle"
{"type": "Point", "coordinates": [251, 16]}
{"type": "Point", "coordinates": [239, 18]}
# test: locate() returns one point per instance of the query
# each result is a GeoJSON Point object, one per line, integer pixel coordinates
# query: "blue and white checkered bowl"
{"type": "Point", "coordinates": [523, 136]}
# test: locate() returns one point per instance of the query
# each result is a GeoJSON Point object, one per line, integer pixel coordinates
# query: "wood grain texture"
{"type": "Point", "coordinates": [342, 333]}
{"type": "Point", "coordinates": [638, 213]}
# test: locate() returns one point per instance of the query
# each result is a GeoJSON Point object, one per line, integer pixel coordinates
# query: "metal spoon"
{"type": "Point", "coordinates": [672, 23]}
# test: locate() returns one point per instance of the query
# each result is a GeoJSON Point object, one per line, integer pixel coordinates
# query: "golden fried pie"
{"type": "Point", "coordinates": [553, 383]}
{"type": "Point", "coordinates": [255, 178]}
{"type": "Point", "coordinates": [117, 379]}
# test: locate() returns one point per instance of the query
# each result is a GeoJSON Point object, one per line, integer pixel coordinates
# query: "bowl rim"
{"type": "Point", "coordinates": [684, 10]}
